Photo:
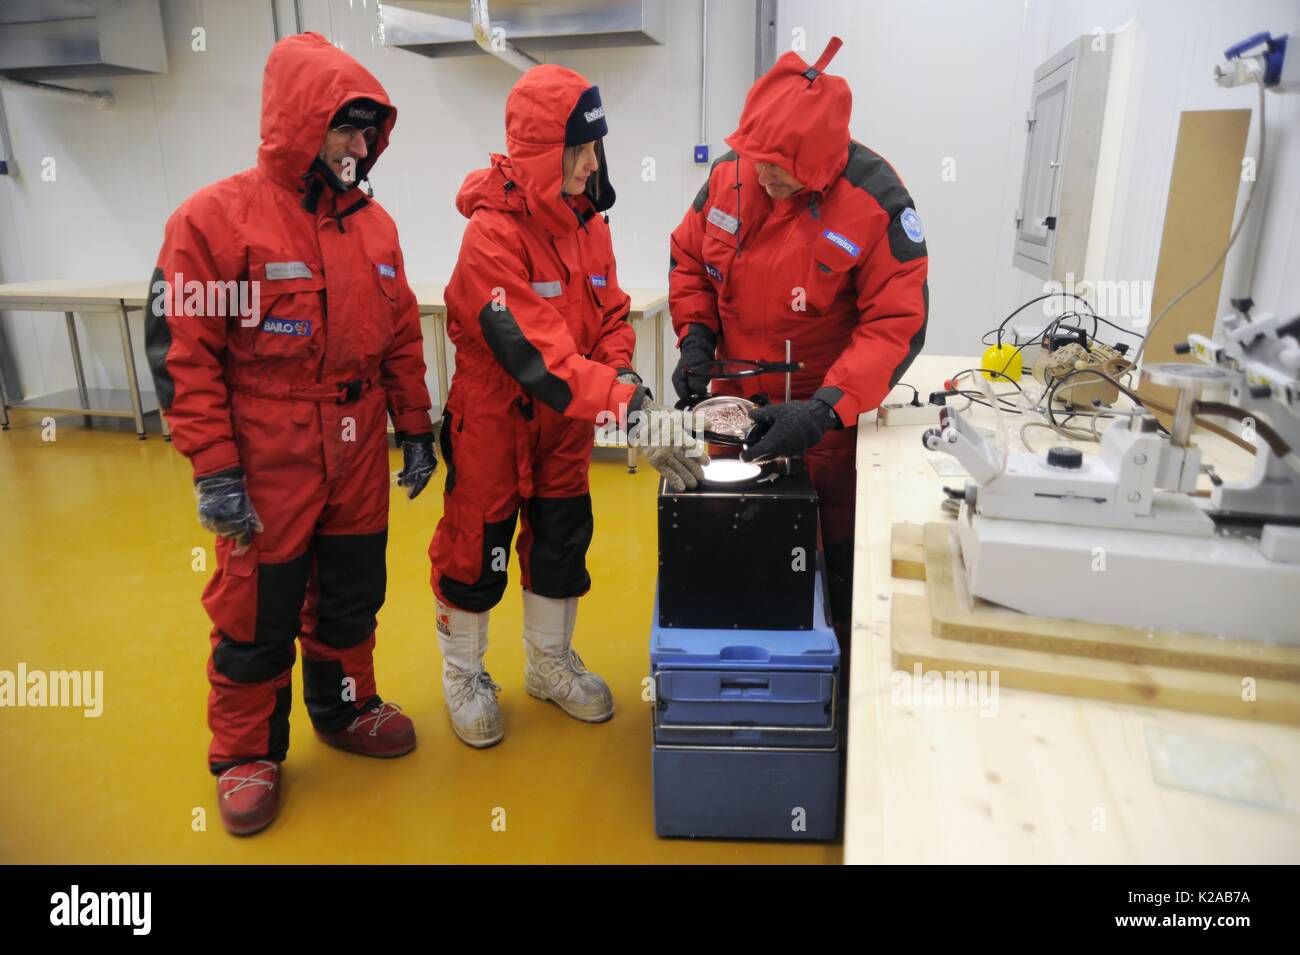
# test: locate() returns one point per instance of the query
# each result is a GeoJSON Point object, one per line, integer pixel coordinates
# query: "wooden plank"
{"type": "Point", "coordinates": [956, 617]}
{"type": "Point", "coordinates": [1203, 190]}
{"type": "Point", "coordinates": [1190, 691]}
{"type": "Point", "coordinates": [907, 552]}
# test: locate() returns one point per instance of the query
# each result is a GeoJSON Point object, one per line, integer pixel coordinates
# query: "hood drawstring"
{"type": "Point", "coordinates": [812, 205]}
{"type": "Point", "coordinates": [739, 230]}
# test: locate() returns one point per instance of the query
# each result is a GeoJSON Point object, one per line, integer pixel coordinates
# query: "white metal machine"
{"type": "Point", "coordinates": [1122, 536]}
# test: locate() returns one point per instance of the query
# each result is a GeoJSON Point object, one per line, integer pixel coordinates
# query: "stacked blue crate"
{"type": "Point", "coordinates": [747, 730]}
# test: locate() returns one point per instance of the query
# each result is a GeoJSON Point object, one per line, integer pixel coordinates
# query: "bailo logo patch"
{"type": "Point", "coordinates": [714, 274]}
{"type": "Point", "coordinates": [286, 326]}
{"type": "Point", "coordinates": [598, 281]}
{"type": "Point", "coordinates": [592, 115]}
{"type": "Point", "coordinates": [387, 271]}
{"type": "Point", "coordinates": [846, 244]}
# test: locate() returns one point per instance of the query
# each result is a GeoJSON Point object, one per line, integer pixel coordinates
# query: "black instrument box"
{"type": "Point", "coordinates": [739, 558]}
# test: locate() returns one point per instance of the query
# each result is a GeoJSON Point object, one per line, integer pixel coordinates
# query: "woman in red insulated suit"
{"type": "Point", "coordinates": [543, 347]}
{"type": "Point", "coordinates": [281, 408]}
{"type": "Point", "coordinates": [802, 234]}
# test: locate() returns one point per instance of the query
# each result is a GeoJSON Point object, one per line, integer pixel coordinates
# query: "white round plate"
{"type": "Point", "coordinates": [730, 471]}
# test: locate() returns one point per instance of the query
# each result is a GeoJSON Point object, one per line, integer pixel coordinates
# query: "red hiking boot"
{"type": "Point", "coordinates": [381, 731]}
{"type": "Point", "coordinates": [249, 795]}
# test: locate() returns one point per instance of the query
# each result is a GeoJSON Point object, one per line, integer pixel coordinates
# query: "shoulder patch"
{"type": "Point", "coordinates": [869, 172]}
{"type": "Point", "coordinates": [911, 223]}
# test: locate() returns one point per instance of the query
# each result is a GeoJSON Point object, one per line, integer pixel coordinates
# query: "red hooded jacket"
{"type": "Point", "coordinates": [839, 268]}
{"type": "Point", "coordinates": [336, 316]}
{"type": "Point", "coordinates": [535, 290]}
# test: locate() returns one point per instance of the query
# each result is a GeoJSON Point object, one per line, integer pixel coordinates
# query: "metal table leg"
{"type": "Point", "coordinates": [4, 402]}
{"type": "Point", "coordinates": [659, 349]}
{"type": "Point", "coordinates": [132, 381]}
{"type": "Point", "coordinates": [71, 321]}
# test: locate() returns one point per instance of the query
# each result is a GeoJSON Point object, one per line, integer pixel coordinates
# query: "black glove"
{"type": "Point", "coordinates": [697, 347]}
{"type": "Point", "coordinates": [788, 429]}
{"type": "Point", "coordinates": [224, 507]}
{"type": "Point", "coordinates": [418, 463]}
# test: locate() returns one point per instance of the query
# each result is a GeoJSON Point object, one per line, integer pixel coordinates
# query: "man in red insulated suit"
{"type": "Point", "coordinates": [802, 234]}
{"type": "Point", "coordinates": [280, 403]}
{"type": "Point", "coordinates": [543, 348]}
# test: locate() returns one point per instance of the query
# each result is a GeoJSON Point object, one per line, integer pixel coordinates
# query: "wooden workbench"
{"type": "Point", "coordinates": [1047, 779]}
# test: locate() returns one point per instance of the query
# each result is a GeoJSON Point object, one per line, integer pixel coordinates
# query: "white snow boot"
{"type": "Point", "coordinates": [469, 691]}
{"type": "Point", "coordinates": [552, 670]}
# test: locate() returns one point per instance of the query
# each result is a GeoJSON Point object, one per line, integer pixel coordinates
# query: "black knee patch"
{"type": "Point", "coordinates": [251, 662]}
{"type": "Point", "coordinates": [562, 529]}
{"type": "Point", "coordinates": [482, 595]}
{"type": "Point", "coordinates": [351, 577]}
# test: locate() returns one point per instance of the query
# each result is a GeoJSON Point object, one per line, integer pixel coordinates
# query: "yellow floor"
{"type": "Point", "coordinates": [98, 532]}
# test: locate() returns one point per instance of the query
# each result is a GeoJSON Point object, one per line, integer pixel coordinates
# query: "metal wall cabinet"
{"type": "Point", "coordinates": [1062, 146]}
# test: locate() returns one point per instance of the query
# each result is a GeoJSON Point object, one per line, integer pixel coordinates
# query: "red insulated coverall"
{"type": "Point", "coordinates": [297, 397]}
{"type": "Point", "coordinates": [541, 332]}
{"type": "Point", "coordinates": [838, 268]}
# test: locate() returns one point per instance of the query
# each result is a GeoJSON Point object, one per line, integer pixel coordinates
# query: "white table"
{"type": "Point", "coordinates": [72, 297]}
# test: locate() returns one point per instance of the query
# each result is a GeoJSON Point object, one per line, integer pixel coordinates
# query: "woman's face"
{"type": "Point", "coordinates": [579, 163]}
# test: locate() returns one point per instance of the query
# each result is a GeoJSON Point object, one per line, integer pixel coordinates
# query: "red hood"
{"type": "Point", "coordinates": [307, 80]}
{"type": "Point", "coordinates": [798, 123]}
{"type": "Point", "coordinates": [486, 189]}
{"type": "Point", "coordinates": [537, 110]}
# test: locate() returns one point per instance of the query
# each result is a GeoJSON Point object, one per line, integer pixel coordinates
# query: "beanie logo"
{"type": "Point", "coordinates": [592, 115]}
{"type": "Point", "coordinates": [366, 114]}
{"type": "Point", "coordinates": [845, 244]}
{"type": "Point", "coordinates": [911, 223]}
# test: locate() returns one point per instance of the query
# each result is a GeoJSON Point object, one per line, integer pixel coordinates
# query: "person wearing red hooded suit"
{"type": "Point", "coordinates": [802, 234]}
{"type": "Point", "coordinates": [543, 350]}
{"type": "Point", "coordinates": [284, 417]}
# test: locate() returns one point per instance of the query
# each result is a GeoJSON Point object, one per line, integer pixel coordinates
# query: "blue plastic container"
{"type": "Point", "coordinates": [746, 731]}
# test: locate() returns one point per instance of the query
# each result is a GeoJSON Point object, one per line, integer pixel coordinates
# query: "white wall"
{"type": "Point", "coordinates": [119, 173]}
{"type": "Point", "coordinates": [938, 79]}
{"type": "Point", "coordinates": [932, 79]}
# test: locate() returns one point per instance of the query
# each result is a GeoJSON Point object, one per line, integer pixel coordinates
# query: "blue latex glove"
{"type": "Point", "coordinates": [224, 507]}
{"type": "Point", "coordinates": [418, 463]}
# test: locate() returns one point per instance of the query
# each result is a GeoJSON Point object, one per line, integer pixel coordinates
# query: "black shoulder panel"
{"type": "Point", "coordinates": [702, 196]}
{"type": "Point", "coordinates": [870, 173]}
